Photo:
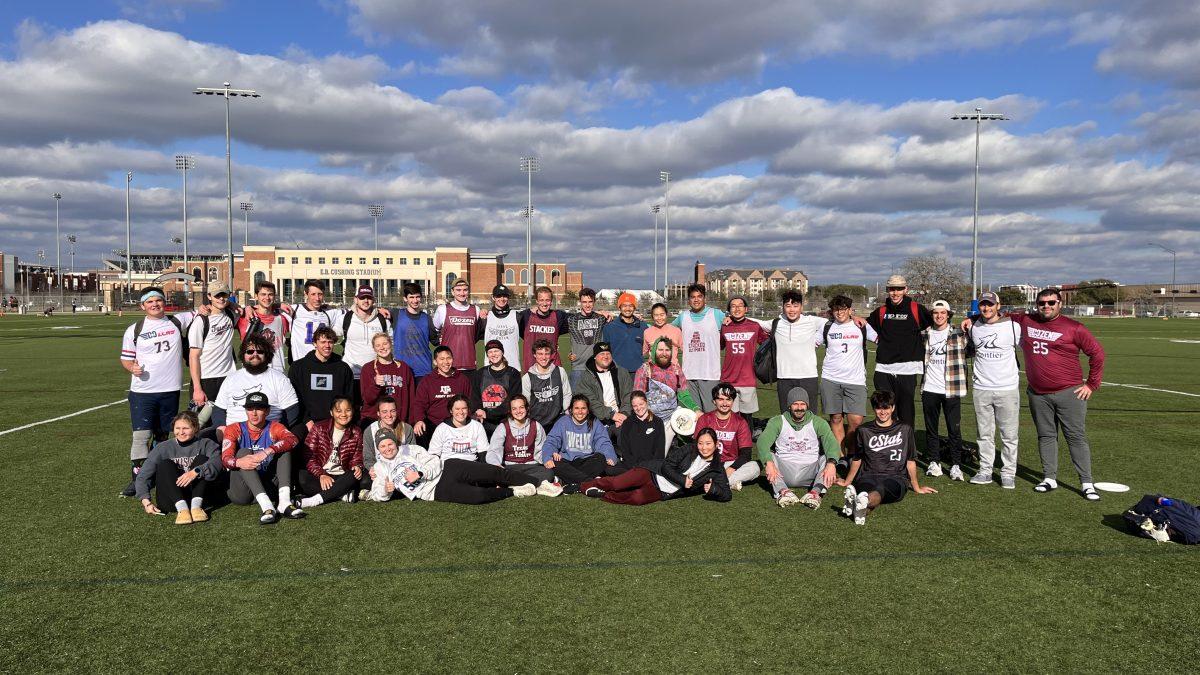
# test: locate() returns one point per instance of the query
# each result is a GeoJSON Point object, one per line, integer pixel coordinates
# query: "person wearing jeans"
{"type": "Point", "coordinates": [943, 388]}
{"type": "Point", "coordinates": [994, 342]}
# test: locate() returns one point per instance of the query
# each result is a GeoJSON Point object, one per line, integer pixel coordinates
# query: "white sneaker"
{"type": "Point", "coordinates": [548, 489]}
{"type": "Point", "coordinates": [848, 501]}
{"type": "Point", "coordinates": [956, 473]}
{"type": "Point", "coordinates": [788, 498]}
{"type": "Point", "coordinates": [735, 485]}
{"type": "Point", "coordinates": [525, 490]}
{"type": "Point", "coordinates": [860, 508]}
{"type": "Point", "coordinates": [935, 469]}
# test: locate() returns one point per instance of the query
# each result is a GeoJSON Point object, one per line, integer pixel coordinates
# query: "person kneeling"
{"type": "Point", "coordinates": [693, 469]}
{"type": "Point", "coordinates": [181, 468]}
{"type": "Point", "coordinates": [335, 459]}
{"type": "Point", "coordinates": [886, 449]}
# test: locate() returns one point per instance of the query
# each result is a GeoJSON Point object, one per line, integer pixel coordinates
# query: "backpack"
{"type": "Point", "coordinates": [292, 315]}
{"type": "Point", "coordinates": [825, 338]}
{"type": "Point", "coordinates": [764, 358]}
{"type": "Point", "coordinates": [1181, 518]}
{"type": "Point", "coordinates": [349, 316]}
{"type": "Point", "coordinates": [912, 309]}
{"type": "Point", "coordinates": [183, 338]}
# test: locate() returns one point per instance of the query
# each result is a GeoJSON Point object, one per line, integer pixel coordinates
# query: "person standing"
{"type": "Point", "coordinates": [844, 372]}
{"type": "Point", "coordinates": [796, 335]}
{"type": "Point", "coordinates": [308, 317]}
{"type": "Point", "coordinates": [431, 401]}
{"type": "Point", "coordinates": [500, 323]}
{"type": "Point", "coordinates": [586, 328]}
{"type": "Point", "coordinates": [943, 388]}
{"type": "Point", "coordinates": [541, 323]}
{"type": "Point", "coordinates": [267, 318]}
{"type": "Point", "coordinates": [210, 338]}
{"type": "Point", "coordinates": [492, 386]}
{"type": "Point", "coordinates": [456, 322]}
{"type": "Point", "coordinates": [384, 376]}
{"type": "Point", "coordinates": [359, 328]}
{"type": "Point", "coordinates": [607, 387]}
{"type": "Point", "coordinates": [320, 378]}
{"type": "Point", "coordinates": [546, 386]}
{"type": "Point", "coordinates": [995, 378]}
{"type": "Point", "coordinates": [626, 334]}
{"type": "Point", "coordinates": [701, 328]}
{"type": "Point", "coordinates": [660, 327]}
{"type": "Point", "coordinates": [898, 358]}
{"type": "Point", "coordinates": [414, 333]}
{"type": "Point", "coordinates": [740, 337]}
{"type": "Point", "coordinates": [798, 450]}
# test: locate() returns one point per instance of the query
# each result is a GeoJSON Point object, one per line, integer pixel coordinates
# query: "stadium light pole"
{"type": "Point", "coordinates": [665, 176]}
{"type": "Point", "coordinates": [1172, 252]}
{"type": "Point", "coordinates": [655, 209]}
{"type": "Point", "coordinates": [376, 211]}
{"type": "Point", "coordinates": [529, 165]}
{"type": "Point", "coordinates": [128, 244]}
{"type": "Point", "coordinates": [71, 239]}
{"type": "Point", "coordinates": [978, 117]}
{"type": "Point", "coordinates": [183, 163]}
{"type": "Point", "coordinates": [246, 207]}
{"type": "Point", "coordinates": [58, 248]}
{"type": "Point", "coordinates": [226, 92]}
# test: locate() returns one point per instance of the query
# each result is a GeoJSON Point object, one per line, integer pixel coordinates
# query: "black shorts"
{"type": "Point", "coordinates": [890, 488]}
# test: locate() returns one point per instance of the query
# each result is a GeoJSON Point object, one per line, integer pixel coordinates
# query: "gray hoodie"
{"type": "Point", "coordinates": [202, 454]}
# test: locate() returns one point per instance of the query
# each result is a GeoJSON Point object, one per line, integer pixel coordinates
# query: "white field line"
{"type": "Point", "coordinates": [62, 417]}
{"type": "Point", "coordinates": [1145, 388]}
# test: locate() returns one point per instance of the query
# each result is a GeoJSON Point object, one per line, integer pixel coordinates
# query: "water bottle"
{"type": "Point", "coordinates": [1165, 501]}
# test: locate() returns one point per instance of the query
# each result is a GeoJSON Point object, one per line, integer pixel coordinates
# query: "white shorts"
{"type": "Point", "coordinates": [746, 401]}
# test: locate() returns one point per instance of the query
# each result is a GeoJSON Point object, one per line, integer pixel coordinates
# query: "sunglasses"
{"type": "Point", "coordinates": [1047, 303]}
{"type": "Point", "coordinates": [896, 288]}
{"type": "Point", "coordinates": [254, 351]}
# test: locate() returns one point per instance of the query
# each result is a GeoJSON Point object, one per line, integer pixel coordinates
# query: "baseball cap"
{"type": "Point", "coordinates": [501, 291]}
{"type": "Point", "coordinates": [365, 291]}
{"type": "Point", "coordinates": [601, 347]}
{"type": "Point", "coordinates": [941, 304]}
{"type": "Point", "coordinates": [257, 401]}
{"type": "Point", "coordinates": [989, 297]}
{"type": "Point", "coordinates": [461, 282]}
{"type": "Point", "coordinates": [798, 394]}
{"type": "Point", "coordinates": [897, 281]}
{"type": "Point", "coordinates": [493, 344]}
{"type": "Point", "coordinates": [217, 288]}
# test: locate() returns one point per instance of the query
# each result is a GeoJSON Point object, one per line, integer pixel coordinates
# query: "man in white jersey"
{"type": "Point", "coordinates": [358, 327]}
{"type": "Point", "coordinates": [701, 328]}
{"type": "Point", "coordinates": [152, 353]}
{"type": "Point", "coordinates": [310, 316]}
{"type": "Point", "coordinates": [210, 338]}
{"type": "Point", "coordinates": [256, 375]}
{"type": "Point", "coordinates": [844, 372]}
{"type": "Point", "coordinates": [796, 336]}
{"type": "Point", "coordinates": [997, 400]}
{"type": "Point", "coordinates": [500, 323]}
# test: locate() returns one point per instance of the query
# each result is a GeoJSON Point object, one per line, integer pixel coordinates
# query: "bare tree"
{"type": "Point", "coordinates": [936, 278]}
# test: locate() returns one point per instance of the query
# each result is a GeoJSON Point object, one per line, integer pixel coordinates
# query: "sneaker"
{"type": "Point", "coordinates": [982, 478]}
{"type": "Point", "coordinates": [956, 473]}
{"type": "Point", "coordinates": [199, 515]}
{"type": "Point", "coordinates": [594, 492]}
{"type": "Point", "coordinates": [293, 510]}
{"type": "Point", "coordinates": [548, 489]}
{"type": "Point", "coordinates": [524, 490]}
{"type": "Point", "coordinates": [570, 488]}
{"type": "Point", "coordinates": [128, 491]}
{"type": "Point", "coordinates": [348, 497]}
{"type": "Point", "coordinates": [183, 517]}
{"type": "Point", "coordinates": [860, 508]}
{"type": "Point", "coordinates": [735, 485]}
{"type": "Point", "coordinates": [787, 498]}
{"type": "Point", "coordinates": [1008, 482]}
{"type": "Point", "coordinates": [934, 469]}
{"type": "Point", "coordinates": [848, 501]}
{"type": "Point", "coordinates": [268, 517]}
{"type": "Point", "coordinates": [362, 495]}
{"type": "Point", "coordinates": [811, 499]}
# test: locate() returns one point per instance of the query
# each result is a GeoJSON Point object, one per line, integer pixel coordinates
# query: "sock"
{"type": "Point", "coordinates": [309, 502]}
{"type": "Point", "coordinates": [264, 502]}
{"type": "Point", "coordinates": [181, 506]}
{"type": "Point", "coordinates": [197, 502]}
{"type": "Point", "coordinates": [285, 496]}
{"type": "Point", "coordinates": [1087, 486]}
{"type": "Point", "coordinates": [1051, 482]}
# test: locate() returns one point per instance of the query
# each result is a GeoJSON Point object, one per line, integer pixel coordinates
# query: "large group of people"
{"type": "Point", "coordinates": [631, 412]}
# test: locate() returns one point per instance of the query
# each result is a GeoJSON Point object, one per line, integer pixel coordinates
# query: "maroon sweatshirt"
{"type": "Point", "coordinates": [1052, 353]}
{"type": "Point", "coordinates": [431, 402]}
{"type": "Point", "coordinates": [397, 383]}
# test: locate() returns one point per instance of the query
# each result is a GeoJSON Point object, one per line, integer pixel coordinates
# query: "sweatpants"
{"type": "Point", "coordinates": [808, 384]}
{"type": "Point", "coordinates": [798, 474]}
{"type": "Point", "coordinates": [166, 472]}
{"type": "Point", "coordinates": [464, 482]}
{"type": "Point", "coordinates": [582, 469]}
{"type": "Point", "coordinates": [246, 484]}
{"type": "Point", "coordinates": [1051, 412]}
{"type": "Point", "coordinates": [904, 387]}
{"type": "Point", "coordinates": [343, 485]}
{"type": "Point", "coordinates": [634, 487]}
{"type": "Point", "coordinates": [701, 391]}
{"type": "Point", "coordinates": [534, 470]}
{"type": "Point", "coordinates": [994, 408]}
{"type": "Point", "coordinates": [934, 406]}
{"type": "Point", "coordinates": [746, 473]}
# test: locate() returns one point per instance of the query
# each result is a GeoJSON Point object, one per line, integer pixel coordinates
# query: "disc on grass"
{"type": "Point", "coordinates": [1111, 487]}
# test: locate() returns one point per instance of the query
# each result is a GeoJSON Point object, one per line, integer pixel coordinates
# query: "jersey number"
{"type": "Point", "coordinates": [1040, 347]}
{"type": "Point", "coordinates": [897, 454]}
{"type": "Point", "coordinates": [162, 346]}
{"type": "Point", "coordinates": [737, 348]}
{"type": "Point", "coordinates": [845, 347]}
{"type": "Point", "coordinates": [308, 333]}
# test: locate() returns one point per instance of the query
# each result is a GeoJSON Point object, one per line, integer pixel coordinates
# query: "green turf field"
{"type": "Point", "coordinates": [972, 579]}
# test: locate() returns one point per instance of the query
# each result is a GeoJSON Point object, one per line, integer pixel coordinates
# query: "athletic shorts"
{"type": "Point", "coordinates": [153, 412]}
{"type": "Point", "coordinates": [746, 401]}
{"type": "Point", "coordinates": [890, 488]}
{"type": "Point", "coordinates": [849, 399]}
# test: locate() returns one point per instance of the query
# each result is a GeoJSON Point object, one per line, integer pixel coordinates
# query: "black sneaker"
{"type": "Point", "coordinates": [129, 491]}
{"type": "Point", "coordinates": [594, 492]}
{"type": "Point", "coordinates": [570, 488]}
{"type": "Point", "coordinates": [293, 511]}
{"type": "Point", "coordinates": [269, 517]}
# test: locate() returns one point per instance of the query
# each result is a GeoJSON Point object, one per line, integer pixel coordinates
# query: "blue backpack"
{"type": "Point", "coordinates": [1181, 519]}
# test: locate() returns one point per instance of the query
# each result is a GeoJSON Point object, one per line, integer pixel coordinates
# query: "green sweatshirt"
{"type": "Point", "coordinates": [766, 442]}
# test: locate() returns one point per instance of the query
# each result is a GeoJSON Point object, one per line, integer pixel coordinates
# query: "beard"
{"type": "Point", "coordinates": [255, 369]}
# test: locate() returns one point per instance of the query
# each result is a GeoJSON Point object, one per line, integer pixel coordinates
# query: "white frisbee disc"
{"type": "Point", "coordinates": [1111, 487]}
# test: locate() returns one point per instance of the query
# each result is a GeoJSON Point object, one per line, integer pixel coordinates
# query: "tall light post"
{"type": "Point", "coordinates": [183, 163]}
{"type": "Point", "coordinates": [246, 207]}
{"type": "Point", "coordinates": [71, 240]}
{"type": "Point", "coordinates": [978, 117]}
{"type": "Point", "coordinates": [665, 177]}
{"type": "Point", "coordinates": [376, 211]}
{"type": "Point", "coordinates": [1172, 252]}
{"type": "Point", "coordinates": [655, 209]}
{"type": "Point", "coordinates": [529, 165]}
{"type": "Point", "coordinates": [57, 249]}
{"type": "Point", "coordinates": [128, 243]}
{"type": "Point", "coordinates": [226, 92]}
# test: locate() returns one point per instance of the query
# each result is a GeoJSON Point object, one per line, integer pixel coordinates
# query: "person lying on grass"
{"type": "Point", "coordinates": [692, 469]}
{"type": "Point", "coordinates": [886, 449]}
{"type": "Point", "coordinates": [335, 458]}
{"type": "Point", "coordinates": [182, 469]}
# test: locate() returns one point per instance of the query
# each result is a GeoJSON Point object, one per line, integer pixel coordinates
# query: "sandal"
{"type": "Point", "coordinates": [1090, 494]}
{"type": "Point", "coordinates": [1046, 486]}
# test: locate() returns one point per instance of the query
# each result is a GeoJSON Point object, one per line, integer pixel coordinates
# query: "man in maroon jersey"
{"type": "Point", "coordinates": [456, 320]}
{"type": "Point", "coordinates": [740, 337]}
{"type": "Point", "coordinates": [541, 323]}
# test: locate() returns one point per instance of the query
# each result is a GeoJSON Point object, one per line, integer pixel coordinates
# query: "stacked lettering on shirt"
{"type": "Point", "coordinates": [159, 351]}
{"type": "Point", "coordinates": [304, 322]}
{"type": "Point", "coordinates": [457, 325]}
{"type": "Point", "coordinates": [585, 332]}
{"type": "Point", "coordinates": [1052, 354]}
{"type": "Point", "coordinates": [241, 383]}
{"type": "Point", "coordinates": [885, 451]}
{"type": "Point", "coordinates": [359, 349]}
{"type": "Point", "coordinates": [741, 338]}
{"type": "Point", "coordinates": [845, 362]}
{"type": "Point", "coordinates": [274, 327]}
{"type": "Point", "coordinates": [701, 343]}
{"type": "Point", "coordinates": [216, 348]}
{"type": "Point", "coordinates": [413, 333]}
{"type": "Point", "coordinates": [733, 434]}
{"type": "Point", "coordinates": [995, 355]}
{"type": "Point", "coordinates": [935, 361]}
{"type": "Point", "coordinates": [548, 327]}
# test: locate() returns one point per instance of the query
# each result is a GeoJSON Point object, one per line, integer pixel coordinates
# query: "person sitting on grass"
{"type": "Point", "coordinates": [249, 451]}
{"type": "Point", "coordinates": [578, 447]}
{"type": "Point", "coordinates": [733, 436]}
{"type": "Point", "coordinates": [641, 439]}
{"type": "Point", "coordinates": [516, 444]}
{"type": "Point", "coordinates": [182, 469]}
{"type": "Point", "coordinates": [334, 459]}
{"type": "Point", "coordinates": [798, 450]}
{"type": "Point", "coordinates": [884, 460]}
{"type": "Point", "coordinates": [388, 413]}
{"type": "Point", "coordinates": [459, 436]}
{"type": "Point", "coordinates": [692, 469]}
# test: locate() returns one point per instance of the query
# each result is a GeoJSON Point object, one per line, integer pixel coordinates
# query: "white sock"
{"type": "Point", "coordinates": [197, 502]}
{"type": "Point", "coordinates": [285, 497]}
{"type": "Point", "coordinates": [264, 502]}
{"type": "Point", "coordinates": [1051, 482]}
{"type": "Point", "coordinates": [309, 502]}
{"type": "Point", "coordinates": [181, 506]}
{"type": "Point", "coordinates": [1088, 486]}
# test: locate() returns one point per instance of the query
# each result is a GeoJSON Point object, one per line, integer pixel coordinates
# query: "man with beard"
{"type": "Point", "coordinates": [541, 323]}
{"type": "Point", "coordinates": [500, 323]}
{"type": "Point", "coordinates": [798, 450]}
{"type": "Point", "coordinates": [625, 334]}
{"type": "Point", "coordinates": [256, 375]}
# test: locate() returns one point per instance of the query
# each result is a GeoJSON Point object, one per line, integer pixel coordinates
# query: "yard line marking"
{"type": "Point", "coordinates": [62, 417]}
{"type": "Point", "coordinates": [1143, 387]}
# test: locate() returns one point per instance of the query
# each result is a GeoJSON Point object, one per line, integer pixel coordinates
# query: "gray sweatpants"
{"type": "Point", "coordinates": [994, 408]}
{"type": "Point", "coordinates": [246, 484]}
{"type": "Point", "coordinates": [746, 473]}
{"type": "Point", "coordinates": [1061, 410]}
{"type": "Point", "coordinates": [701, 391]}
{"type": "Point", "coordinates": [798, 475]}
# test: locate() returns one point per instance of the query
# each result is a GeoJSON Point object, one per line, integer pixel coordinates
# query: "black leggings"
{"type": "Point", "coordinates": [342, 485]}
{"type": "Point", "coordinates": [464, 482]}
{"type": "Point", "coordinates": [166, 472]}
{"type": "Point", "coordinates": [890, 488]}
{"type": "Point", "coordinates": [585, 469]}
{"type": "Point", "coordinates": [905, 388]}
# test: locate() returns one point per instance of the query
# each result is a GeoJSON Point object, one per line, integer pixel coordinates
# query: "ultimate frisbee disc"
{"type": "Point", "coordinates": [1111, 487]}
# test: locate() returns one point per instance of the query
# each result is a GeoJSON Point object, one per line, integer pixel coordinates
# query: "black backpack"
{"type": "Point", "coordinates": [349, 316]}
{"type": "Point", "coordinates": [764, 358]}
{"type": "Point", "coordinates": [1181, 518]}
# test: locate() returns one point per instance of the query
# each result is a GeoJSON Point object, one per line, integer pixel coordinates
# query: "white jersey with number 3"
{"type": "Point", "coordinates": [159, 350]}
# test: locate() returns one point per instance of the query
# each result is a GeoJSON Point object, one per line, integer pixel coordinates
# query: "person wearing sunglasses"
{"type": "Point", "coordinates": [256, 375]}
{"type": "Point", "coordinates": [900, 354]}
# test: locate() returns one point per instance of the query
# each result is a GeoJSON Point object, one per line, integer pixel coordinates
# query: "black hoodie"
{"type": "Point", "coordinates": [899, 331]}
{"type": "Point", "coordinates": [318, 382]}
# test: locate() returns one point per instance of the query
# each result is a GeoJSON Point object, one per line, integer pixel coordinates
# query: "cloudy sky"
{"type": "Point", "coordinates": [814, 134]}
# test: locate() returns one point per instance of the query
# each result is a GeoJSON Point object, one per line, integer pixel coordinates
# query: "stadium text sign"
{"type": "Point", "coordinates": [351, 272]}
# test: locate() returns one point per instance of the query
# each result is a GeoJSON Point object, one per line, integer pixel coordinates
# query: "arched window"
{"type": "Point", "coordinates": [525, 275]}
{"type": "Point", "coordinates": [541, 277]}
{"type": "Point", "coordinates": [555, 277]}
{"type": "Point", "coordinates": [510, 277]}
{"type": "Point", "coordinates": [259, 277]}
{"type": "Point", "coordinates": [196, 274]}
{"type": "Point", "coordinates": [450, 279]}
